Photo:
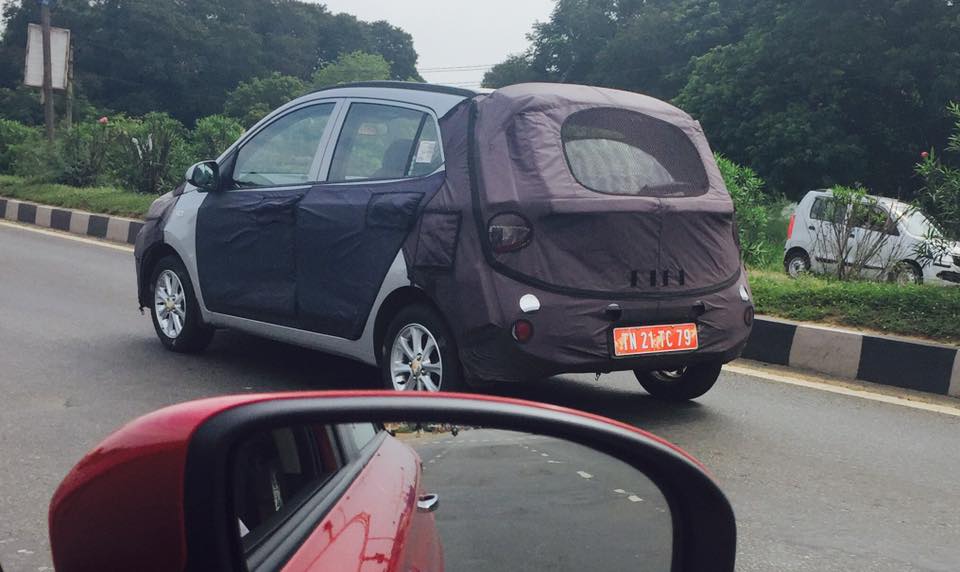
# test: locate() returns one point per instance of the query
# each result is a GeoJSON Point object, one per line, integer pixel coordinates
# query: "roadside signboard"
{"type": "Point", "coordinates": [59, 52]}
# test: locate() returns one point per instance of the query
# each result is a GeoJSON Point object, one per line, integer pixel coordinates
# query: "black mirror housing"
{"type": "Point", "coordinates": [205, 176]}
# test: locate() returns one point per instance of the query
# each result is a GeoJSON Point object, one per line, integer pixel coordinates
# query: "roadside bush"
{"type": "Point", "coordinates": [12, 133]}
{"type": "Point", "coordinates": [82, 154]}
{"type": "Point", "coordinates": [151, 153]}
{"type": "Point", "coordinates": [37, 160]}
{"type": "Point", "coordinates": [939, 198]}
{"type": "Point", "coordinates": [212, 135]}
{"type": "Point", "coordinates": [753, 208]}
{"type": "Point", "coordinates": [911, 310]}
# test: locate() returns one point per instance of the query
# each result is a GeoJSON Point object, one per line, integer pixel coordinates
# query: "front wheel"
{"type": "Point", "coordinates": [175, 312]}
{"type": "Point", "coordinates": [419, 353]}
{"type": "Point", "coordinates": [905, 273]}
{"type": "Point", "coordinates": [680, 384]}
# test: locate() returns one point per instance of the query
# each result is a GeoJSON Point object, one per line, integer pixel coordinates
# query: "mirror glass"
{"type": "Point", "coordinates": [484, 498]}
{"type": "Point", "coordinates": [203, 175]}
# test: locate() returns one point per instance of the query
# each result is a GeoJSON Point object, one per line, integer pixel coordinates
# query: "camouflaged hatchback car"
{"type": "Point", "coordinates": [453, 237]}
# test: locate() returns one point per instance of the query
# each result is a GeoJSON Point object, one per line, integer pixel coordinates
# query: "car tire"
{"type": "Point", "coordinates": [419, 335]}
{"type": "Point", "coordinates": [175, 312]}
{"type": "Point", "coordinates": [906, 272]}
{"type": "Point", "coordinates": [796, 263]}
{"type": "Point", "coordinates": [682, 384]}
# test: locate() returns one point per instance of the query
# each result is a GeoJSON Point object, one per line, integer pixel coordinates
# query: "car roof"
{"type": "Point", "coordinates": [439, 98]}
{"type": "Point", "coordinates": [885, 201]}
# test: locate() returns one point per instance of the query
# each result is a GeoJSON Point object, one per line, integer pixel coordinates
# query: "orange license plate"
{"type": "Point", "coordinates": [641, 340]}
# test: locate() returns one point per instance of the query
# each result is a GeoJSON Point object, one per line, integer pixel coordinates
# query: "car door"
{"type": "Point", "coordinates": [822, 228]}
{"type": "Point", "coordinates": [317, 498]}
{"type": "Point", "coordinates": [385, 165]}
{"type": "Point", "coordinates": [245, 233]}
{"type": "Point", "coordinates": [876, 238]}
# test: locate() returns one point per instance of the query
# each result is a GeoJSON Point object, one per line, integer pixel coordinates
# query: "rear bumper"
{"type": "Point", "coordinates": [574, 335]}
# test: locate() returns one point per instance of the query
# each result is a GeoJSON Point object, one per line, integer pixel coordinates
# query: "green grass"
{"type": "Point", "coordinates": [923, 311]}
{"type": "Point", "coordinates": [105, 200]}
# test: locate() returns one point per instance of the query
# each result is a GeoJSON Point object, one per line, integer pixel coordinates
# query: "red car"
{"type": "Point", "coordinates": [312, 481]}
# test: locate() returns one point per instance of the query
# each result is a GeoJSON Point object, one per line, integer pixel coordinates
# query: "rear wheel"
{"type": "Point", "coordinates": [680, 384]}
{"type": "Point", "coordinates": [796, 264]}
{"type": "Point", "coordinates": [419, 353]}
{"type": "Point", "coordinates": [175, 312]}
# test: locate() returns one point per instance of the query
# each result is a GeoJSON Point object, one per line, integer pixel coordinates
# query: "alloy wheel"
{"type": "Point", "coordinates": [169, 304]}
{"type": "Point", "coordinates": [415, 360]}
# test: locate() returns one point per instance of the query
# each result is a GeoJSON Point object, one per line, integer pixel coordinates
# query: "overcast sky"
{"type": "Point", "coordinates": [455, 33]}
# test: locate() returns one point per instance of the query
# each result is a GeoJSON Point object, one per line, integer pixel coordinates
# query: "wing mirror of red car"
{"type": "Point", "coordinates": [387, 481]}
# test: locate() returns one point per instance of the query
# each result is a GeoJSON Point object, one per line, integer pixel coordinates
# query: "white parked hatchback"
{"type": "Point", "coordinates": [807, 251]}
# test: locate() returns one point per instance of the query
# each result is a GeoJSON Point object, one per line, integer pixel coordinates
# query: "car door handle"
{"type": "Point", "coordinates": [428, 503]}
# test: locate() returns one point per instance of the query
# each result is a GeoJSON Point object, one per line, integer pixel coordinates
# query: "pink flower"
{"type": "Point", "coordinates": [103, 120]}
{"type": "Point", "coordinates": [924, 155]}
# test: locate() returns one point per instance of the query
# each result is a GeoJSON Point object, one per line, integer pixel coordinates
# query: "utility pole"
{"type": "Point", "coordinates": [48, 117]}
{"type": "Point", "coordinates": [69, 118]}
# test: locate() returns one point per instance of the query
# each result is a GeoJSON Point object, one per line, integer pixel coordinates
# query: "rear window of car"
{"type": "Point", "coordinates": [622, 152]}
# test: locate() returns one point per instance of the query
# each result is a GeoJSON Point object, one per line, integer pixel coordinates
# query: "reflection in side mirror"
{"type": "Point", "coordinates": [205, 176]}
{"type": "Point", "coordinates": [322, 481]}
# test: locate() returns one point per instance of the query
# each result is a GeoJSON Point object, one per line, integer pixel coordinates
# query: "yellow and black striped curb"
{"type": "Point", "coordinates": [887, 360]}
{"type": "Point", "coordinates": [108, 227]}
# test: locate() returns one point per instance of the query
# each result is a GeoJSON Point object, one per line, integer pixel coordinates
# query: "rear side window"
{"type": "Point", "coordinates": [825, 209]}
{"type": "Point", "coordinates": [385, 142]}
{"type": "Point", "coordinates": [623, 152]}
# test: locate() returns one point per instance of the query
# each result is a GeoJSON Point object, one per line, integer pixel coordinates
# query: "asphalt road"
{"type": "Point", "coordinates": [516, 501]}
{"type": "Point", "coordinates": [819, 481]}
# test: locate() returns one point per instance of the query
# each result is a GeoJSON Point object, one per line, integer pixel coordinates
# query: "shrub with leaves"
{"type": "Point", "coordinates": [753, 210]}
{"type": "Point", "coordinates": [12, 133]}
{"type": "Point", "coordinates": [152, 153]}
{"type": "Point", "coordinates": [83, 153]}
{"type": "Point", "coordinates": [212, 135]}
{"type": "Point", "coordinates": [939, 198]}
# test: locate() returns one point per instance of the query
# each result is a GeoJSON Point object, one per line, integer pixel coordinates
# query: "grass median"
{"type": "Point", "coordinates": [103, 200]}
{"type": "Point", "coordinates": [922, 311]}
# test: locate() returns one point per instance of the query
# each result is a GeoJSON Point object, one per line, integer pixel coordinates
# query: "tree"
{"type": "Point", "coordinates": [252, 100]}
{"type": "Point", "coordinates": [808, 94]}
{"type": "Point", "coordinates": [515, 69]}
{"type": "Point", "coordinates": [138, 56]}
{"type": "Point", "coordinates": [352, 67]}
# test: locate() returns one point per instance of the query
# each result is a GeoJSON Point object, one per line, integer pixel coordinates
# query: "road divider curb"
{"type": "Point", "coordinates": [887, 360]}
{"type": "Point", "coordinates": [107, 227]}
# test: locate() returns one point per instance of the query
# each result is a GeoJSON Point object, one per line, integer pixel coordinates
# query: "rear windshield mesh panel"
{"type": "Point", "coordinates": [623, 152]}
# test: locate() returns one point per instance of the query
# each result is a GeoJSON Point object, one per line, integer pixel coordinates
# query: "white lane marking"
{"type": "Point", "coordinates": [620, 491]}
{"type": "Point", "coordinates": [68, 236]}
{"type": "Point", "coordinates": [634, 498]}
{"type": "Point", "coordinates": [555, 462]}
{"type": "Point", "coordinates": [432, 461]}
{"type": "Point", "coordinates": [585, 475]}
{"type": "Point", "coordinates": [862, 393]}
{"type": "Point", "coordinates": [544, 455]}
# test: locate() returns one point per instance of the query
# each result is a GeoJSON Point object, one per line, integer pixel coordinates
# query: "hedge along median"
{"type": "Point", "coordinates": [105, 200]}
{"type": "Point", "coordinates": [922, 311]}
